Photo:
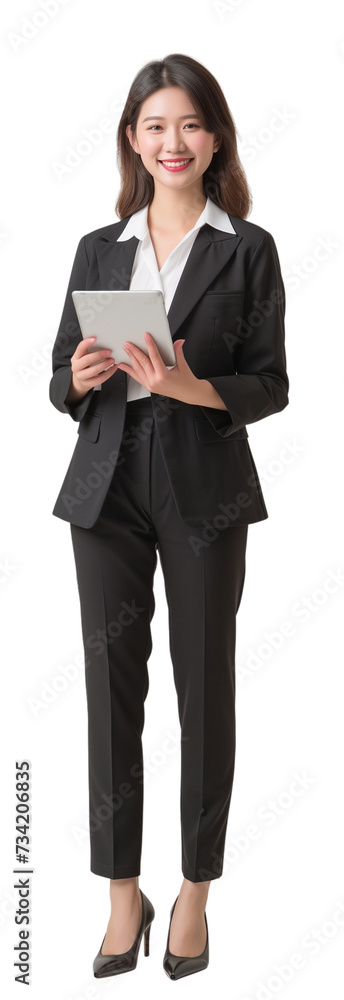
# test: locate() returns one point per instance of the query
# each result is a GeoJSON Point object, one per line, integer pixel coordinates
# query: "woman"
{"type": "Point", "coordinates": [163, 464]}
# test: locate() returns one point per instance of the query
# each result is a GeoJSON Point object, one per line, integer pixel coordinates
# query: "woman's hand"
{"type": "Point", "coordinates": [87, 374]}
{"type": "Point", "coordinates": [151, 372]}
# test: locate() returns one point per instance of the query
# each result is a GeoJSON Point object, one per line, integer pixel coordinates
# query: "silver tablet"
{"type": "Point", "coordinates": [117, 316]}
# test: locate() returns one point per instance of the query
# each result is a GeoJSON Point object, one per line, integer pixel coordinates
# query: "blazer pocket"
{"type": "Point", "coordinates": [207, 433]}
{"type": "Point", "coordinates": [224, 291]}
{"type": "Point", "coordinates": [224, 310]}
{"type": "Point", "coordinates": [89, 426]}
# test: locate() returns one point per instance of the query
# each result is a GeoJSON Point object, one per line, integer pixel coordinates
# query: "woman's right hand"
{"type": "Point", "coordinates": [86, 374]}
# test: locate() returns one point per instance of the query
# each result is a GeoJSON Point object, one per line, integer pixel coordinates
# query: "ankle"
{"type": "Point", "coordinates": [195, 893]}
{"type": "Point", "coordinates": [125, 890]}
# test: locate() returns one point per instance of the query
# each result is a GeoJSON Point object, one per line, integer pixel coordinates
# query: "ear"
{"type": "Point", "coordinates": [217, 143]}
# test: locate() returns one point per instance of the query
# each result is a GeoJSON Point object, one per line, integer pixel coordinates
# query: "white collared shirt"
{"type": "Point", "coordinates": [145, 273]}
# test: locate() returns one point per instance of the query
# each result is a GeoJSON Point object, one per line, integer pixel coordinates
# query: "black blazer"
{"type": "Point", "coordinates": [229, 306]}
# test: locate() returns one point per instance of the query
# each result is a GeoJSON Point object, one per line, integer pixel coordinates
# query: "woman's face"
{"type": "Point", "coordinates": [169, 128]}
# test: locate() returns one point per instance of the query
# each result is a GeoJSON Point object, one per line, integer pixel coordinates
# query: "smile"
{"type": "Point", "coordinates": [174, 165]}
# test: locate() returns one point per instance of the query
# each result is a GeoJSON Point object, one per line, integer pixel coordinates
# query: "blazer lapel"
{"type": "Point", "coordinates": [211, 250]}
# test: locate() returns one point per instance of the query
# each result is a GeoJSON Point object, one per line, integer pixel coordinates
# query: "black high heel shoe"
{"type": "Point", "coordinates": [112, 965]}
{"type": "Point", "coordinates": [177, 966]}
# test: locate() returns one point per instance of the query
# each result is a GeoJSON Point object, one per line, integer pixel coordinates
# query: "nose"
{"type": "Point", "coordinates": [173, 142]}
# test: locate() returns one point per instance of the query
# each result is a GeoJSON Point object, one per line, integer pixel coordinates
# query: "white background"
{"type": "Point", "coordinates": [285, 886]}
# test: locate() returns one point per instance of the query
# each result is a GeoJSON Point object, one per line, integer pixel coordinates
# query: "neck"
{"type": "Point", "coordinates": [174, 210]}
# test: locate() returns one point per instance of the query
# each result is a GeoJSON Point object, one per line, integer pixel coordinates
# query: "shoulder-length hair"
{"type": "Point", "coordinates": [224, 181]}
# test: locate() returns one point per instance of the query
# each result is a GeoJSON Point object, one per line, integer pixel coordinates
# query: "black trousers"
{"type": "Point", "coordinates": [115, 564]}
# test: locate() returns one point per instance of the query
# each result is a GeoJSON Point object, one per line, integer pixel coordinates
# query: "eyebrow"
{"type": "Point", "coordinates": [161, 117]}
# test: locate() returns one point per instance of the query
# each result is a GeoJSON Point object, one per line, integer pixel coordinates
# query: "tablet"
{"type": "Point", "coordinates": [117, 316]}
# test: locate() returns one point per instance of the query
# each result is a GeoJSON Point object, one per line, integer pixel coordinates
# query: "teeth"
{"type": "Point", "coordinates": [176, 163]}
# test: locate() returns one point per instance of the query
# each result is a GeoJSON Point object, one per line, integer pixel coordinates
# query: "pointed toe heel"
{"type": "Point", "coordinates": [113, 965]}
{"type": "Point", "coordinates": [177, 966]}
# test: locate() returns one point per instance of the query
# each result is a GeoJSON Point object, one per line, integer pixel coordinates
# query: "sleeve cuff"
{"type": "Point", "coordinates": [220, 420]}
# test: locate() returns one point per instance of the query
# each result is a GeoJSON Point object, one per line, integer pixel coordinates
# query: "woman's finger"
{"type": "Point", "coordinates": [87, 360]}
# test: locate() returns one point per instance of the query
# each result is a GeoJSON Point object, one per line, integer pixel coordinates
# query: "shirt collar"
{"type": "Point", "coordinates": [212, 215]}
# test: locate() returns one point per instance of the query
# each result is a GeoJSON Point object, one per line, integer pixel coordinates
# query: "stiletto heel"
{"type": "Point", "coordinates": [177, 966]}
{"type": "Point", "coordinates": [112, 965]}
{"type": "Point", "coordinates": [146, 940]}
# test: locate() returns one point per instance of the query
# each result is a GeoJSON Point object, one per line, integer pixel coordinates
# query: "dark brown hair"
{"type": "Point", "coordinates": [224, 181]}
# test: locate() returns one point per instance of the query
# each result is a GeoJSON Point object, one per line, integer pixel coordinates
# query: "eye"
{"type": "Point", "coordinates": [193, 125]}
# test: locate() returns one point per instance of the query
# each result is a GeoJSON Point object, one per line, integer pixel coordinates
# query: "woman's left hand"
{"type": "Point", "coordinates": [151, 372]}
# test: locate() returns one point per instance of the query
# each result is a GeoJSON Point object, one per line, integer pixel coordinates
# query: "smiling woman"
{"type": "Point", "coordinates": [163, 465]}
{"type": "Point", "coordinates": [177, 143]}
{"type": "Point", "coordinates": [162, 131]}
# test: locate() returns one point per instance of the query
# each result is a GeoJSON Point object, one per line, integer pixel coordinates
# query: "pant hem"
{"type": "Point", "coordinates": [208, 874]}
{"type": "Point", "coordinates": [127, 872]}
